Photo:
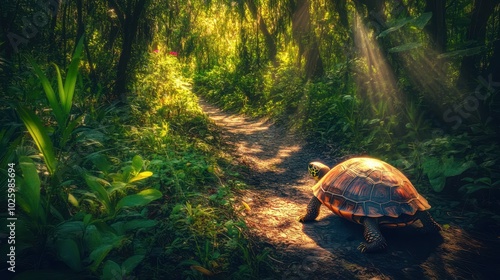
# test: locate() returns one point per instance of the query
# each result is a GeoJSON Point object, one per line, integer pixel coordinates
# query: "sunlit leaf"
{"type": "Point", "coordinates": [60, 87]}
{"type": "Point", "coordinates": [71, 77]}
{"type": "Point", "coordinates": [141, 176]}
{"type": "Point", "coordinates": [49, 92]}
{"type": "Point", "coordinates": [247, 207]}
{"type": "Point", "coordinates": [39, 134]}
{"type": "Point", "coordinates": [203, 270]}
{"type": "Point", "coordinates": [72, 200]}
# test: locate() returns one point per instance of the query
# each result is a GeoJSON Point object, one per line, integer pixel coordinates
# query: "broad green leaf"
{"type": "Point", "coordinates": [421, 21]}
{"type": "Point", "coordinates": [140, 199]}
{"type": "Point", "coordinates": [29, 192]}
{"type": "Point", "coordinates": [71, 77]}
{"type": "Point", "coordinates": [95, 185]}
{"type": "Point", "coordinates": [396, 25]}
{"type": "Point", "coordinates": [68, 129]}
{"type": "Point", "coordinates": [131, 263]}
{"type": "Point", "coordinates": [49, 92]}
{"type": "Point", "coordinates": [39, 134]}
{"type": "Point", "coordinates": [92, 237]}
{"type": "Point", "coordinates": [111, 270]}
{"type": "Point", "coordinates": [60, 91]}
{"type": "Point", "coordinates": [101, 162]}
{"type": "Point", "coordinates": [137, 224]}
{"type": "Point", "coordinates": [437, 170]}
{"type": "Point", "coordinates": [71, 229]}
{"type": "Point", "coordinates": [141, 176]}
{"type": "Point", "coordinates": [126, 174]}
{"type": "Point", "coordinates": [69, 253]}
{"type": "Point", "coordinates": [117, 186]}
{"type": "Point", "coordinates": [98, 255]}
{"type": "Point", "coordinates": [464, 52]}
{"type": "Point", "coordinates": [137, 163]}
{"type": "Point", "coordinates": [405, 47]}
{"type": "Point", "coordinates": [418, 22]}
{"type": "Point", "coordinates": [438, 183]}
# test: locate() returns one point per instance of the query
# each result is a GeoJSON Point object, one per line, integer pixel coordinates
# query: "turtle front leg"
{"type": "Point", "coordinates": [429, 225]}
{"type": "Point", "coordinates": [373, 236]}
{"type": "Point", "coordinates": [312, 210]}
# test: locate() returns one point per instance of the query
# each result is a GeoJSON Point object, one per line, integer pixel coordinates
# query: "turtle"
{"type": "Point", "coordinates": [369, 192]}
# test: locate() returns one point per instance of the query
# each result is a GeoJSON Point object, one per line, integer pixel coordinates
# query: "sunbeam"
{"type": "Point", "coordinates": [375, 79]}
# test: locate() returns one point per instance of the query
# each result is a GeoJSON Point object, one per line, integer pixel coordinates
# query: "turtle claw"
{"type": "Point", "coordinates": [362, 247]}
{"type": "Point", "coordinates": [371, 247]}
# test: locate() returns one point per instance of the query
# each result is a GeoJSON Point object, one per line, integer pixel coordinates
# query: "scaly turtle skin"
{"type": "Point", "coordinates": [369, 192]}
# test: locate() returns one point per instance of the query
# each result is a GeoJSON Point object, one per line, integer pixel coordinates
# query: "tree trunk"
{"type": "Point", "coordinates": [306, 39]}
{"type": "Point", "coordinates": [469, 69]}
{"type": "Point", "coordinates": [129, 20]}
{"type": "Point", "coordinates": [268, 38]}
{"type": "Point", "coordinates": [437, 26]}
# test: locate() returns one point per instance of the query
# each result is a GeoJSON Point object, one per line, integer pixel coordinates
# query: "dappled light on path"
{"type": "Point", "coordinates": [275, 168]}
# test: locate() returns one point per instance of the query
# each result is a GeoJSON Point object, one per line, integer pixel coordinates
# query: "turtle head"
{"type": "Point", "coordinates": [317, 170]}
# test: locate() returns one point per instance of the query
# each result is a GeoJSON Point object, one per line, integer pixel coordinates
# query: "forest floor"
{"type": "Point", "coordinates": [275, 169]}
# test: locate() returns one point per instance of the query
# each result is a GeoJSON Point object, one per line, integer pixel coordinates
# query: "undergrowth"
{"type": "Point", "coordinates": [333, 112]}
{"type": "Point", "coordinates": [121, 191]}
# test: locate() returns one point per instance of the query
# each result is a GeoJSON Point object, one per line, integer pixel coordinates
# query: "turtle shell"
{"type": "Point", "coordinates": [367, 187]}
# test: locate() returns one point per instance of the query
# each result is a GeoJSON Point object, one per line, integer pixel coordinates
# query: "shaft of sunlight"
{"type": "Point", "coordinates": [375, 78]}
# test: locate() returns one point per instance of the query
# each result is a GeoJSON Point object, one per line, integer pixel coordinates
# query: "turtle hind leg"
{"type": "Point", "coordinates": [374, 239]}
{"type": "Point", "coordinates": [429, 225]}
{"type": "Point", "coordinates": [312, 210]}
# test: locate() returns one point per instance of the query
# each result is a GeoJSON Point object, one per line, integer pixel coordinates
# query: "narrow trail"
{"type": "Point", "coordinates": [280, 189]}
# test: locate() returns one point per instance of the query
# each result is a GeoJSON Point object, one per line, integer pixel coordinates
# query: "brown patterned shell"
{"type": "Point", "coordinates": [366, 187]}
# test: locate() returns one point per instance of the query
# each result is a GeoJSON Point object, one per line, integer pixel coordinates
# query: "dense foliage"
{"type": "Point", "coordinates": [413, 83]}
{"type": "Point", "coordinates": [119, 172]}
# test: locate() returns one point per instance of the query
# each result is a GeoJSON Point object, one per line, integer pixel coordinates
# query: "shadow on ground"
{"type": "Point", "coordinates": [276, 170]}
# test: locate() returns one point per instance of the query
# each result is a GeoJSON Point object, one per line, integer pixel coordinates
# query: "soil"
{"type": "Point", "coordinates": [275, 163]}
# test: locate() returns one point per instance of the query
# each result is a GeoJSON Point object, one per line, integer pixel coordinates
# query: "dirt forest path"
{"type": "Point", "coordinates": [280, 189]}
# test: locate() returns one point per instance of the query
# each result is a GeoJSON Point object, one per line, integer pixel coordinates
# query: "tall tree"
{"type": "Point", "coordinates": [306, 38]}
{"type": "Point", "coordinates": [129, 13]}
{"type": "Point", "coordinates": [437, 26]}
{"type": "Point", "coordinates": [470, 69]}
{"type": "Point", "coordinates": [268, 38]}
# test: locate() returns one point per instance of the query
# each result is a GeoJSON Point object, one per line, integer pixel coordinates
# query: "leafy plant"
{"type": "Point", "coordinates": [112, 270]}
{"type": "Point", "coordinates": [438, 169]}
{"type": "Point", "coordinates": [61, 110]}
{"type": "Point", "coordinates": [114, 195]}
